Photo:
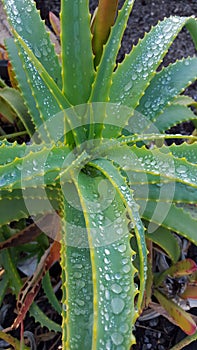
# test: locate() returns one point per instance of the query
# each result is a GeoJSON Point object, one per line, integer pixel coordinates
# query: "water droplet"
{"type": "Point", "coordinates": [118, 276]}
{"type": "Point", "coordinates": [14, 10]}
{"type": "Point", "coordinates": [116, 288]}
{"type": "Point", "coordinates": [80, 302]}
{"type": "Point", "coordinates": [18, 20]}
{"type": "Point", "coordinates": [107, 277]}
{"type": "Point", "coordinates": [128, 86]}
{"type": "Point", "coordinates": [107, 294]}
{"type": "Point", "coordinates": [126, 268]}
{"type": "Point", "coordinates": [181, 169]}
{"type": "Point", "coordinates": [122, 248]}
{"type": "Point", "coordinates": [117, 305]}
{"type": "Point", "coordinates": [64, 307]}
{"type": "Point", "coordinates": [134, 76]}
{"type": "Point", "coordinates": [106, 261]}
{"type": "Point", "coordinates": [28, 8]}
{"type": "Point", "coordinates": [37, 52]}
{"type": "Point", "coordinates": [117, 338]}
{"type": "Point", "coordinates": [124, 328]}
{"type": "Point", "coordinates": [77, 275]}
{"type": "Point", "coordinates": [107, 252]}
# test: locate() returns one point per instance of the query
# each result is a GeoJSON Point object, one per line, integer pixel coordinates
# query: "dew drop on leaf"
{"type": "Point", "coordinates": [128, 86]}
{"type": "Point", "coordinates": [126, 268]}
{"type": "Point", "coordinates": [28, 8]}
{"type": "Point", "coordinates": [116, 288]}
{"type": "Point", "coordinates": [122, 248]}
{"type": "Point", "coordinates": [117, 338]}
{"type": "Point", "coordinates": [117, 305]}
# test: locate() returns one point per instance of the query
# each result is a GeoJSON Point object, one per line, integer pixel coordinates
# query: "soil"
{"type": "Point", "coordinates": [157, 333]}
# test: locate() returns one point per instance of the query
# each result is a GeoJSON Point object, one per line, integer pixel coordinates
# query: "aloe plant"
{"type": "Point", "coordinates": [91, 161]}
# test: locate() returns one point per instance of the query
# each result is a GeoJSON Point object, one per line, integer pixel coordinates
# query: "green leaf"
{"type": "Point", "coordinates": [77, 274]}
{"type": "Point", "coordinates": [49, 99]}
{"type": "Point", "coordinates": [112, 269]}
{"type": "Point", "coordinates": [77, 57]}
{"type": "Point", "coordinates": [102, 83]}
{"type": "Point", "coordinates": [160, 192]}
{"type": "Point", "coordinates": [185, 151]}
{"type": "Point", "coordinates": [18, 204]}
{"type": "Point", "coordinates": [170, 217]}
{"type": "Point", "coordinates": [167, 241]}
{"type": "Point", "coordinates": [34, 168]}
{"type": "Point", "coordinates": [121, 186]}
{"type": "Point", "coordinates": [157, 161]}
{"type": "Point", "coordinates": [133, 75]}
{"type": "Point", "coordinates": [23, 83]}
{"type": "Point", "coordinates": [172, 115]}
{"type": "Point", "coordinates": [14, 99]}
{"type": "Point", "coordinates": [171, 81]}
{"type": "Point", "coordinates": [32, 30]}
{"type": "Point", "coordinates": [48, 289]}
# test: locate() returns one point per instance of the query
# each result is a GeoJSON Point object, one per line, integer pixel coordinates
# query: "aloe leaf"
{"type": "Point", "coordinates": [134, 74]}
{"type": "Point", "coordinates": [10, 151]}
{"type": "Point", "coordinates": [102, 82]}
{"type": "Point", "coordinates": [190, 292]}
{"type": "Point", "coordinates": [53, 109]}
{"type": "Point", "coordinates": [22, 82]}
{"type": "Point", "coordinates": [77, 57]}
{"type": "Point", "coordinates": [184, 100]}
{"type": "Point", "coordinates": [15, 101]}
{"type": "Point", "coordinates": [103, 19]}
{"type": "Point", "coordinates": [172, 80]}
{"type": "Point", "coordinates": [49, 98]}
{"type": "Point", "coordinates": [172, 115]}
{"type": "Point", "coordinates": [181, 268]}
{"type": "Point", "coordinates": [77, 307]}
{"type": "Point", "coordinates": [38, 40]}
{"type": "Point", "coordinates": [34, 169]}
{"type": "Point", "coordinates": [121, 186]}
{"type": "Point", "coordinates": [160, 192]}
{"type": "Point", "coordinates": [185, 151]}
{"type": "Point", "coordinates": [167, 241]}
{"type": "Point", "coordinates": [181, 317]}
{"type": "Point", "coordinates": [170, 217]}
{"type": "Point", "coordinates": [112, 270]}
{"type": "Point", "coordinates": [48, 289]}
{"type": "Point", "coordinates": [158, 161]}
{"type": "Point", "coordinates": [20, 204]}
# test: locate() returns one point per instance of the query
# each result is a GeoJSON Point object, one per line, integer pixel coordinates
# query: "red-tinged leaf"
{"type": "Point", "coordinates": [178, 315]}
{"type": "Point", "coordinates": [55, 23]}
{"type": "Point", "coordinates": [3, 53]}
{"type": "Point", "coordinates": [50, 224]}
{"type": "Point", "coordinates": [32, 285]}
{"type": "Point", "coordinates": [190, 292]}
{"type": "Point", "coordinates": [182, 268]}
{"type": "Point", "coordinates": [104, 19]}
